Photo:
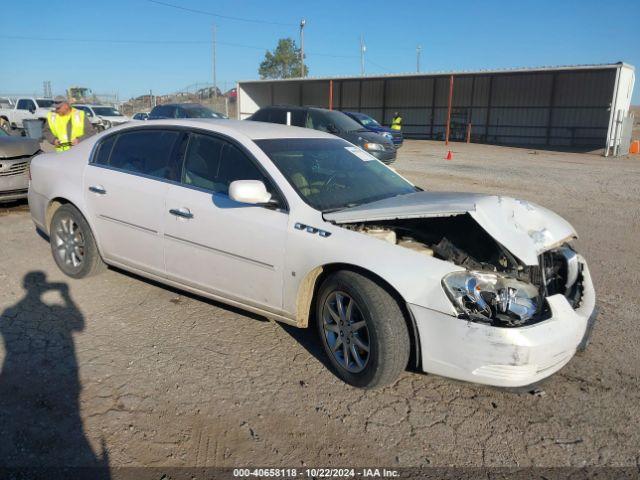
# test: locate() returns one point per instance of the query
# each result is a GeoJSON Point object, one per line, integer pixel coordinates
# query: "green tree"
{"type": "Point", "coordinates": [283, 62]}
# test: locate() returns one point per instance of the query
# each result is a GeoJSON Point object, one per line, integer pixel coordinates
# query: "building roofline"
{"type": "Point", "coordinates": [601, 66]}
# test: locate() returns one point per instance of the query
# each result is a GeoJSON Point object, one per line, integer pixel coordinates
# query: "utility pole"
{"type": "Point", "coordinates": [418, 54]}
{"type": "Point", "coordinates": [303, 22]}
{"type": "Point", "coordinates": [46, 85]}
{"type": "Point", "coordinates": [363, 48]}
{"type": "Point", "coordinates": [213, 47]}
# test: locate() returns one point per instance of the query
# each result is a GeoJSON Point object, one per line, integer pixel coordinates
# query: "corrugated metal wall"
{"type": "Point", "coordinates": [556, 108]}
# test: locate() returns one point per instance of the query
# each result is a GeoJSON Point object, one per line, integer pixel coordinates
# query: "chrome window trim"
{"type": "Point", "coordinates": [187, 130]}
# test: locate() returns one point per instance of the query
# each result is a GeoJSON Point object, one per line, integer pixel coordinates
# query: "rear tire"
{"type": "Point", "coordinates": [362, 330]}
{"type": "Point", "coordinates": [72, 244]}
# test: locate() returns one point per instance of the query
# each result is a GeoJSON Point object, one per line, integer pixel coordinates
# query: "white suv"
{"type": "Point", "coordinates": [103, 117]}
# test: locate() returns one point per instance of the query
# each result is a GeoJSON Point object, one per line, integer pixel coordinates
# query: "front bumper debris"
{"type": "Point", "coordinates": [505, 357]}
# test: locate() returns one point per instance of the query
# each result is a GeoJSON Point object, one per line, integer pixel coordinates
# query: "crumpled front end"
{"type": "Point", "coordinates": [508, 356]}
{"type": "Point", "coordinates": [521, 298]}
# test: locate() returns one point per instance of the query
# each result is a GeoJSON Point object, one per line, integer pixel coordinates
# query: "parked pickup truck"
{"type": "Point", "coordinates": [24, 109]}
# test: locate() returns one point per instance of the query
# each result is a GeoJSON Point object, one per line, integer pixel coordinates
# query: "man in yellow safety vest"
{"type": "Point", "coordinates": [396, 122]}
{"type": "Point", "coordinates": [66, 126]}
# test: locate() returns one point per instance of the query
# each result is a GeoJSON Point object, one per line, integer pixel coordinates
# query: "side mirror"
{"type": "Point", "coordinates": [331, 128]}
{"type": "Point", "coordinates": [252, 192]}
{"type": "Point", "coordinates": [32, 110]}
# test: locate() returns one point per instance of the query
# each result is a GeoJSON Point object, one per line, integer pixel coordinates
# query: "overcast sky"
{"type": "Point", "coordinates": [131, 46]}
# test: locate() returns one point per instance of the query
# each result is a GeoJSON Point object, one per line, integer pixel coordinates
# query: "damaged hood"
{"type": "Point", "coordinates": [11, 147]}
{"type": "Point", "coordinates": [524, 228]}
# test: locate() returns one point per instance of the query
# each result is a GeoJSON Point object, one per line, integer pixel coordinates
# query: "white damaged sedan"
{"type": "Point", "coordinates": [307, 229]}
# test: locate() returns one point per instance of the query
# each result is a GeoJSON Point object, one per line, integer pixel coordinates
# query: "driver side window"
{"type": "Point", "coordinates": [212, 163]}
{"type": "Point", "coordinates": [318, 121]}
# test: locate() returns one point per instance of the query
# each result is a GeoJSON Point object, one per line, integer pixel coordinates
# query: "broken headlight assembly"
{"type": "Point", "coordinates": [492, 298]}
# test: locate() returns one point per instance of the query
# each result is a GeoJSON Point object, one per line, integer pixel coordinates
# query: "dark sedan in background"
{"type": "Point", "coordinates": [372, 125]}
{"type": "Point", "coordinates": [183, 110]}
{"type": "Point", "coordinates": [330, 121]}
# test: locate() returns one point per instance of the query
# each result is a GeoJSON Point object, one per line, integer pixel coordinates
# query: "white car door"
{"type": "Point", "coordinates": [215, 244]}
{"type": "Point", "coordinates": [125, 187]}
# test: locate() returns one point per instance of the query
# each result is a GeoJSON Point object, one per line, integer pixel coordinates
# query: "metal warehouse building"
{"type": "Point", "coordinates": [585, 106]}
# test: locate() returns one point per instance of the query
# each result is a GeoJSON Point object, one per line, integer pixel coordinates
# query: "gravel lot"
{"type": "Point", "coordinates": [119, 370]}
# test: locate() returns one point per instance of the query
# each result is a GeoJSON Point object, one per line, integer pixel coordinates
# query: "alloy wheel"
{"type": "Point", "coordinates": [345, 332]}
{"type": "Point", "coordinates": [69, 244]}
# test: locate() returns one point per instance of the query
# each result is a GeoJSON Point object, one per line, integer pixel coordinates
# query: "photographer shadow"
{"type": "Point", "coordinates": [40, 423]}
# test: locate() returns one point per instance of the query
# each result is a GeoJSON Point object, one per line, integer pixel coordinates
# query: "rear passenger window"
{"type": "Point", "coordinates": [103, 152]}
{"type": "Point", "coordinates": [298, 118]}
{"type": "Point", "coordinates": [164, 112]}
{"type": "Point", "coordinates": [148, 152]}
{"type": "Point", "coordinates": [278, 116]}
{"type": "Point", "coordinates": [261, 115]}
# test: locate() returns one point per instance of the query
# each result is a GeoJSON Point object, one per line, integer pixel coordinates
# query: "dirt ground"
{"type": "Point", "coordinates": [117, 370]}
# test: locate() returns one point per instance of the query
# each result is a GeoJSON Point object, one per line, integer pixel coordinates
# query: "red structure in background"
{"type": "Point", "coordinates": [446, 138]}
{"type": "Point", "coordinates": [330, 94]}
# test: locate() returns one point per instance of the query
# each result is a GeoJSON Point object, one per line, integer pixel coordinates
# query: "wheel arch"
{"type": "Point", "coordinates": [55, 203]}
{"type": "Point", "coordinates": [308, 290]}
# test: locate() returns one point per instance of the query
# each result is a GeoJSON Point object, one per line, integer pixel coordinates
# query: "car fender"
{"type": "Point", "coordinates": [314, 245]}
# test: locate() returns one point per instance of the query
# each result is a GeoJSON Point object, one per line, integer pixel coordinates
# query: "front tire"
{"type": "Point", "coordinates": [72, 244]}
{"type": "Point", "coordinates": [362, 330]}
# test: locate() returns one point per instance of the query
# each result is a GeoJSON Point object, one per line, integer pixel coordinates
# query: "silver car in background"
{"type": "Point", "coordinates": [15, 155]}
{"type": "Point", "coordinates": [308, 229]}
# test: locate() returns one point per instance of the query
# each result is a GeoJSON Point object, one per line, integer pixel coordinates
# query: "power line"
{"type": "Point", "coordinates": [98, 40]}
{"type": "Point", "coordinates": [217, 15]}
{"type": "Point", "coordinates": [378, 65]}
{"type": "Point", "coordinates": [158, 42]}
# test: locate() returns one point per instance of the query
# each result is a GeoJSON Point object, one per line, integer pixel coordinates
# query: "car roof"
{"type": "Point", "coordinates": [90, 105]}
{"type": "Point", "coordinates": [184, 104]}
{"type": "Point", "coordinates": [297, 107]}
{"type": "Point", "coordinates": [250, 129]}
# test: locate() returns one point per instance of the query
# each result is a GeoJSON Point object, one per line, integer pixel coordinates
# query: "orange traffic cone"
{"type": "Point", "coordinates": [449, 156]}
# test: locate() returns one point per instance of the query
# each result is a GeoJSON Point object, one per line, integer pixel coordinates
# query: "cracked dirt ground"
{"type": "Point", "coordinates": [152, 376]}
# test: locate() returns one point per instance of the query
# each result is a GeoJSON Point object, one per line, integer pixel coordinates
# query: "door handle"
{"type": "Point", "coordinates": [99, 189]}
{"type": "Point", "coordinates": [181, 212]}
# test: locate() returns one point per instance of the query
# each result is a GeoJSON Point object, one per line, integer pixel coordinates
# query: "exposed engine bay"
{"type": "Point", "coordinates": [496, 288]}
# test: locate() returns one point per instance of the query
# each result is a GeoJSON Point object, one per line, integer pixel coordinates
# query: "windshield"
{"type": "Point", "coordinates": [201, 112]}
{"type": "Point", "coordinates": [367, 121]}
{"type": "Point", "coordinates": [321, 119]}
{"type": "Point", "coordinates": [331, 174]}
{"type": "Point", "coordinates": [106, 111]}
{"type": "Point", "coordinates": [42, 103]}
